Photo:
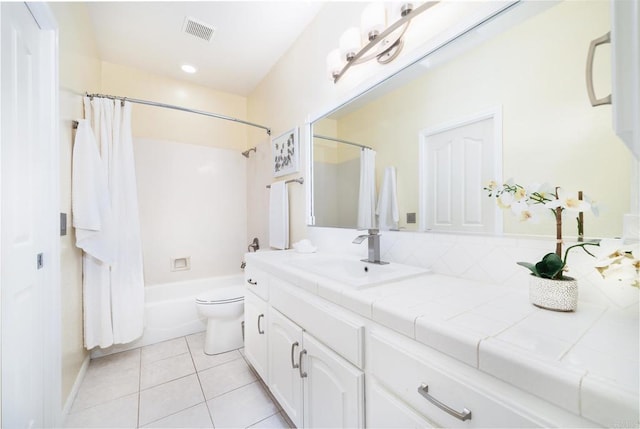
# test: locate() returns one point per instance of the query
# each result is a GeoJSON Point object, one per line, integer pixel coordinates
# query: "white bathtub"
{"type": "Point", "coordinates": [170, 311]}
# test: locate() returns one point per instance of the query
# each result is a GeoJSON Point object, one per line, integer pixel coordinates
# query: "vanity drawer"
{"type": "Point", "coordinates": [475, 397]}
{"type": "Point", "coordinates": [327, 323]}
{"type": "Point", "coordinates": [257, 281]}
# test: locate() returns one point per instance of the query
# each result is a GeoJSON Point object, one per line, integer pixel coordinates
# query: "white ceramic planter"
{"type": "Point", "coordinates": [558, 295]}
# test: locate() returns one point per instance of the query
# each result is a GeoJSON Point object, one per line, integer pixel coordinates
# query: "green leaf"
{"type": "Point", "coordinates": [550, 265]}
{"type": "Point", "coordinates": [531, 267]}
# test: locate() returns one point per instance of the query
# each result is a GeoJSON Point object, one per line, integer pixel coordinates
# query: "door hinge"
{"type": "Point", "coordinates": [39, 261]}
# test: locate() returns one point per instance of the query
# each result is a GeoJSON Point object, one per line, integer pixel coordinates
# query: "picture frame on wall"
{"type": "Point", "coordinates": [285, 153]}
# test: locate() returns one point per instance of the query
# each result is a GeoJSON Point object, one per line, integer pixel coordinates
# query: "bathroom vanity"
{"type": "Point", "coordinates": [409, 348]}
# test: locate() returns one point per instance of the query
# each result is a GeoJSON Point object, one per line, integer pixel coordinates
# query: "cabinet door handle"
{"type": "Point", "coordinates": [302, 374]}
{"type": "Point", "coordinates": [293, 364]}
{"type": "Point", "coordinates": [251, 282]}
{"type": "Point", "coordinates": [464, 415]}
{"type": "Point", "coordinates": [602, 40]}
{"type": "Point", "coordinates": [260, 331]}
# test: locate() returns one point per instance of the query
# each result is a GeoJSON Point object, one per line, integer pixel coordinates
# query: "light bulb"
{"type": "Point", "coordinates": [373, 20]}
{"type": "Point", "coordinates": [334, 63]}
{"type": "Point", "coordinates": [350, 43]}
{"type": "Point", "coordinates": [188, 68]}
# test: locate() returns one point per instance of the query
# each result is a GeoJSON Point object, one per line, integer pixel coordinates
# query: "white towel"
{"type": "Point", "coordinates": [279, 216]}
{"type": "Point", "coordinates": [90, 201]}
{"type": "Point", "coordinates": [367, 192]}
{"type": "Point", "coordinates": [387, 209]}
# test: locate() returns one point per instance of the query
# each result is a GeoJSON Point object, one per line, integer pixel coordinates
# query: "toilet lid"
{"type": "Point", "coordinates": [222, 295]}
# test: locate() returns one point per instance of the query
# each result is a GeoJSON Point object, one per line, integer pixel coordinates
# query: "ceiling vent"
{"type": "Point", "coordinates": [198, 28]}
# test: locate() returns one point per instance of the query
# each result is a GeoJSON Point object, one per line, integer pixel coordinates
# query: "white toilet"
{"type": "Point", "coordinates": [224, 310]}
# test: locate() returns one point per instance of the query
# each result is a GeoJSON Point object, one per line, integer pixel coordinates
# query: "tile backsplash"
{"type": "Point", "coordinates": [490, 259]}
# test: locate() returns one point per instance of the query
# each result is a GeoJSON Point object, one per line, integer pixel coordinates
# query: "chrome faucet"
{"type": "Point", "coordinates": [373, 246]}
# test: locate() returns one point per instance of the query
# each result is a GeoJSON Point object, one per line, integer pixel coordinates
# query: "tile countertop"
{"type": "Point", "coordinates": [586, 362]}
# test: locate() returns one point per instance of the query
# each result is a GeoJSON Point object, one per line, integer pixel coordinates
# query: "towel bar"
{"type": "Point", "coordinates": [300, 180]}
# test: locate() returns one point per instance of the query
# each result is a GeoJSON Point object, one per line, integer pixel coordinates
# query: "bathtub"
{"type": "Point", "coordinates": [170, 311]}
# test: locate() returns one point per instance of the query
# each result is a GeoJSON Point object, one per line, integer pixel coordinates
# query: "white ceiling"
{"type": "Point", "coordinates": [250, 37]}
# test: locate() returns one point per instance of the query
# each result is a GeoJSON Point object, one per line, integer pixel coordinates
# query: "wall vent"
{"type": "Point", "coordinates": [198, 29]}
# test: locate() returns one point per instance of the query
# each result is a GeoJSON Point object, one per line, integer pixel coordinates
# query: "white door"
{"type": "Point", "coordinates": [28, 259]}
{"type": "Point", "coordinates": [333, 388]}
{"type": "Point", "coordinates": [455, 165]}
{"type": "Point", "coordinates": [285, 344]}
{"type": "Point", "coordinates": [255, 337]}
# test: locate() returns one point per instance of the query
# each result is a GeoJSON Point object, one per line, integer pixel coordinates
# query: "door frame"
{"type": "Point", "coordinates": [52, 325]}
{"type": "Point", "coordinates": [494, 113]}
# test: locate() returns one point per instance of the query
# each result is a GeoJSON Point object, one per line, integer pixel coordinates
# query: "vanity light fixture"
{"type": "Point", "coordinates": [383, 44]}
{"type": "Point", "coordinates": [188, 68]}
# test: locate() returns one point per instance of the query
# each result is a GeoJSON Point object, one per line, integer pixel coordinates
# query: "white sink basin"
{"type": "Point", "coordinates": [354, 272]}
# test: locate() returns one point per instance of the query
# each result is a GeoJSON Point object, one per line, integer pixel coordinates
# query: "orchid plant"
{"type": "Point", "coordinates": [525, 204]}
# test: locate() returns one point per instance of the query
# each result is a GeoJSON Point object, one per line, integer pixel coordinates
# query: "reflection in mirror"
{"type": "Point", "coordinates": [533, 73]}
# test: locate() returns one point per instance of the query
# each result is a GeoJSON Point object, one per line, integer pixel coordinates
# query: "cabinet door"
{"type": "Point", "coordinates": [333, 388]}
{"type": "Point", "coordinates": [285, 383]}
{"type": "Point", "coordinates": [255, 333]}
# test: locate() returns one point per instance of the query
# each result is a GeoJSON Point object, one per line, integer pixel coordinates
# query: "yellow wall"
{"type": "Point", "coordinates": [550, 131]}
{"type": "Point", "coordinates": [79, 72]}
{"type": "Point", "coordinates": [166, 124]}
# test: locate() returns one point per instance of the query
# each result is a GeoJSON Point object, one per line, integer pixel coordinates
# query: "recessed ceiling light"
{"type": "Point", "coordinates": [188, 69]}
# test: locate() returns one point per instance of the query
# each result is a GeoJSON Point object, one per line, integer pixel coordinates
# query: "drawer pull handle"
{"type": "Point", "coordinates": [260, 331]}
{"type": "Point", "coordinates": [302, 374]}
{"type": "Point", "coordinates": [251, 282]}
{"type": "Point", "coordinates": [464, 415]}
{"type": "Point", "coordinates": [293, 364]}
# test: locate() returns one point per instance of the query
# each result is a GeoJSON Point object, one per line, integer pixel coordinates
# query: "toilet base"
{"type": "Point", "coordinates": [223, 336]}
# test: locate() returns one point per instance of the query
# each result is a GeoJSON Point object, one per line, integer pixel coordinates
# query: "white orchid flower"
{"type": "Point", "coordinates": [525, 212]}
{"type": "Point", "coordinates": [619, 262]}
{"type": "Point", "coordinates": [569, 202]}
{"type": "Point", "coordinates": [505, 200]}
{"type": "Point", "coordinates": [595, 207]}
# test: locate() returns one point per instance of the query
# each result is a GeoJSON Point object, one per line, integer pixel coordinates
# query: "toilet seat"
{"type": "Point", "coordinates": [226, 295]}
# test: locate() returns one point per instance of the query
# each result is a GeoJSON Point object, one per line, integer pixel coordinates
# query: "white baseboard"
{"type": "Point", "coordinates": [76, 386]}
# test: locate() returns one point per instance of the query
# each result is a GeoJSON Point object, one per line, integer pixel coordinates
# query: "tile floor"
{"type": "Point", "coordinates": [173, 384]}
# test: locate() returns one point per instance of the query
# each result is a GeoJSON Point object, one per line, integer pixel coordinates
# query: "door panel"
{"type": "Point", "coordinates": [24, 176]}
{"type": "Point", "coordinates": [285, 343]}
{"type": "Point", "coordinates": [333, 388]}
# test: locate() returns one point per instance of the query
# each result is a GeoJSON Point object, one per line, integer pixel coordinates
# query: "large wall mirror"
{"type": "Point", "coordinates": [532, 76]}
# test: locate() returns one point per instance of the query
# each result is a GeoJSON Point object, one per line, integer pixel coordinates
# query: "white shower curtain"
{"type": "Point", "coordinates": [367, 192]}
{"type": "Point", "coordinates": [113, 288]}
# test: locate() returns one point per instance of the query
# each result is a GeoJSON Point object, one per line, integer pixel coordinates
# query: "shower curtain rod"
{"type": "Point", "coordinates": [340, 141]}
{"type": "Point", "coordinates": [183, 109]}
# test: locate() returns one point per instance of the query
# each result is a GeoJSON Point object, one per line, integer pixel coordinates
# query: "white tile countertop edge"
{"type": "Point", "coordinates": [445, 313]}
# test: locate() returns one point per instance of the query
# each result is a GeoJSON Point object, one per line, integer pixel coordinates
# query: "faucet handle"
{"type": "Point", "coordinates": [373, 231]}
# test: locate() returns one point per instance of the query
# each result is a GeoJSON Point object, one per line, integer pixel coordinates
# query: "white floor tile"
{"type": "Point", "coordinates": [119, 413]}
{"type": "Point", "coordinates": [194, 417]}
{"type": "Point", "coordinates": [276, 421]}
{"type": "Point", "coordinates": [225, 378]}
{"type": "Point", "coordinates": [164, 350]}
{"type": "Point", "coordinates": [97, 389]}
{"type": "Point", "coordinates": [169, 398]}
{"type": "Point", "coordinates": [165, 370]}
{"type": "Point", "coordinates": [162, 386]}
{"type": "Point", "coordinates": [242, 407]}
{"type": "Point", "coordinates": [203, 361]}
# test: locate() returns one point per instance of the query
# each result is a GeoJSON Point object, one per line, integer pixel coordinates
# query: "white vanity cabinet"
{"type": "Point", "coordinates": [255, 333]}
{"type": "Point", "coordinates": [313, 384]}
{"type": "Point", "coordinates": [306, 352]}
{"type": "Point", "coordinates": [409, 376]}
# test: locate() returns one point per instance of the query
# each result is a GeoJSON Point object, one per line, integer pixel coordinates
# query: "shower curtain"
{"type": "Point", "coordinates": [367, 192]}
{"type": "Point", "coordinates": [105, 209]}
